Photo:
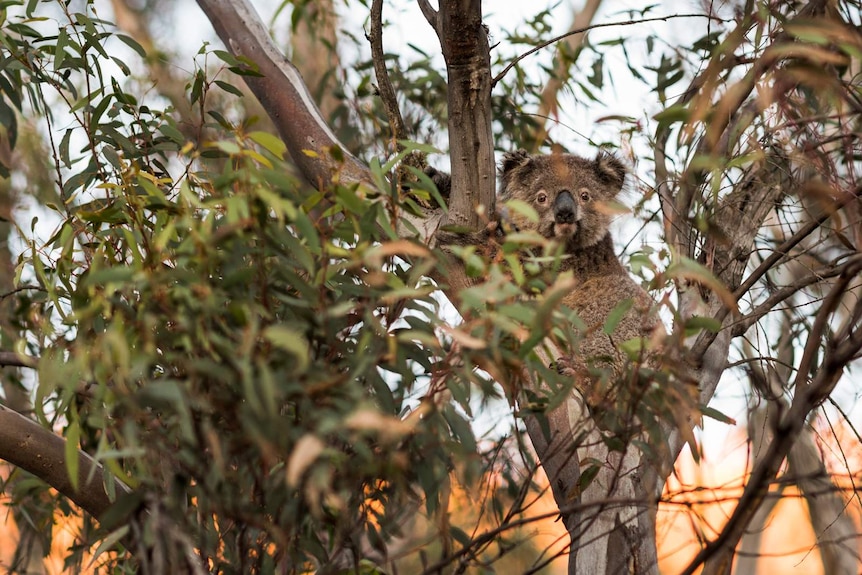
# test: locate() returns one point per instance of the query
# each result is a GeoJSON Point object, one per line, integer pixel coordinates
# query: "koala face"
{"type": "Point", "coordinates": [567, 191]}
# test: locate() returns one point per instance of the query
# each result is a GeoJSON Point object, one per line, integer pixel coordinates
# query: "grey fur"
{"type": "Point", "coordinates": [602, 282]}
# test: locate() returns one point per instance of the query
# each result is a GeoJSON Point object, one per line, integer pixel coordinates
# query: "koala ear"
{"type": "Point", "coordinates": [609, 169]}
{"type": "Point", "coordinates": [514, 160]}
{"type": "Point", "coordinates": [513, 164]}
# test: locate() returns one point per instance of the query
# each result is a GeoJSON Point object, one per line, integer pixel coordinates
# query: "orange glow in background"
{"type": "Point", "coordinates": [701, 497]}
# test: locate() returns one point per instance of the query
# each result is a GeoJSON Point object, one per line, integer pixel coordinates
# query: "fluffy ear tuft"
{"type": "Point", "coordinates": [609, 169]}
{"type": "Point", "coordinates": [514, 165]}
{"type": "Point", "coordinates": [514, 160]}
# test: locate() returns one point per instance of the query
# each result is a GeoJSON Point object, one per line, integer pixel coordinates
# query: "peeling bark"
{"type": "Point", "coordinates": [833, 525]}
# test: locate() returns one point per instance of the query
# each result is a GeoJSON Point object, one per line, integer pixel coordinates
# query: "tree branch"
{"type": "Point", "coordinates": [832, 522]}
{"type": "Point", "coordinates": [13, 359]}
{"type": "Point", "coordinates": [281, 91]}
{"type": "Point", "coordinates": [384, 85]}
{"type": "Point", "coordinates": [26, 444]}
{"type": "Point", "coordinates": [775, 258]}
{"type": "Point", "coordinates": [430, 14]}
{"type": "Point", "coordinates": [719, 551]}
{"type": "Point", "coordinates": [556, 39]}
{"type": "Point", "coordinates": [784, 293]}
{"type": "Point", "coordinates": [782, 251]}
{"type": "Point", "coordinates": [464, 41]}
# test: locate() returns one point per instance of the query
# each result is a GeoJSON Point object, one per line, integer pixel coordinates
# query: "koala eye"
{"type": "Point", "coordinates": [585, 196]}
{"type": "Point", "coordinates": [541, 197]}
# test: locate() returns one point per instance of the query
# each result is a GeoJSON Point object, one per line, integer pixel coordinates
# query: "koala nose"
{"type": "Point", "coordinates": [565, 208]}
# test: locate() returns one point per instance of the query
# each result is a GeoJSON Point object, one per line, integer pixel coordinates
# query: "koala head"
{"type": "Point", "coordinates": [567, 192]}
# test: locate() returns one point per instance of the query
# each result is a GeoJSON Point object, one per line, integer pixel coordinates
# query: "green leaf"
{"type": "Point", "coordinates": [108, 543]}
{"type": "Point", "coordinates": [229, 88]}
{"type": "Point", "coordinates": [460, 427]}
{"type": "Point", "coordinates": [64, 148]}
{"type": "Point", "coordinates": [112, 275]}
{"type": "Point", "coordinates": [460, 536]}
{"type": "Point", "coordinates": [73, 437]}
{"type": "Point", "coordinates": [132, 43]}
{"type": "Point", "coordinates": [270, 143]}
{"type": "Point", "coordinates": [290, 341]}
{"type": "Point", "coordinates": [524, 209]}
{"type": "Point", "coordinates": [686, 268]}
{"type": "Point", "coordinates": [171, 132]}
{"type": "Point", "coordinates": [634, 347]}
{"type": "Point", "coordinates": [673, 114]}
{"type": "Point", "coordinates": [717, 415]}
{"type": "Point", "coordinates": [698, 323]}
{"type": "Point", "coordinates": [60, 48]}
{"type": "Point", "coordinates": [119, 512]}
{"type": "Point", "coordinates": [587, 477]}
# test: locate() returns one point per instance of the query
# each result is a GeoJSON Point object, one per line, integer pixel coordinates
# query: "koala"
{"type": "Point", "coordinates": [570, 194]}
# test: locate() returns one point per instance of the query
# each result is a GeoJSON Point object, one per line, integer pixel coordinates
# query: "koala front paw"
{"type": "Point", "coordinates": [490, 235]}
{"type": "Point", "coordinates": [564, 366]}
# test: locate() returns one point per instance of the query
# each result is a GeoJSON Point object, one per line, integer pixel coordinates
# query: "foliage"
{"type": "Point", "coordinates": [262, 362]}
{"type": "Point", "coordinates": [267, 365]}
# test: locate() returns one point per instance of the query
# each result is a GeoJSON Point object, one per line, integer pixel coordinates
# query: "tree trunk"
{"type": "Point", "coordinates": [464, 40]}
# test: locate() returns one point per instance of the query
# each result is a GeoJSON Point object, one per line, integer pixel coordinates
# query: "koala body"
{"type": "Point", "coordinates": [570, 194]}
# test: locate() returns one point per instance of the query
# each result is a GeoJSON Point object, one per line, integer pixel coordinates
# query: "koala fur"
{"type": "Point", "coordinates": [569, 194]}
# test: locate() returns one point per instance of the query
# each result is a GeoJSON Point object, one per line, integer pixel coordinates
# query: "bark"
{"type": "Point", "coordinates": [761, 423]}
{"type": "Point", "coordinates": [12, 359]}
{"type": "Point", "coordinates": [846, 341]}
{"type": "Point", "coordinates": [599, 534]}
{"type": "Point", "coordinates": [314, 51]}
{"type": "Point", "coordinates": [833, 525]}
{"type": "Point", "coordinates": [388, 97]}
{"type": "Point", "coordinates": [610, 539]}
{"type": "Point", "coordinates": [31, 447]}
{"type": "Point", "coordinates": [283, 94]}
{"type": "Point", "coordinates": [29, 550]}
{"type": "Point", "coordinates": [630, 532]}
{"type": "Point", "coordinates": [464, 40]}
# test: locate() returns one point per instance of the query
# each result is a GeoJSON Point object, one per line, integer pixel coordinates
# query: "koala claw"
{"type": "Point", "coordinates": [564, 367]}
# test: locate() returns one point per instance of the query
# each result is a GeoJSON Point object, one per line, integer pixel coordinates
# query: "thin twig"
{"type": "Point", "coordinates": [746, 321]}
{"type": "Point", "coordinates": [13, 359]}
{"type": "Point", "coordinates": [20, 289]}
{"type": "Point", "coordinates": [805, 399]}
{"type": "Point", "coordinates": [774, 259]}
{"type": "Point", "coordinates": [784, 249]}
{"type": "Point", "coordinates": [430, 14]}
{"type": "Point", "coordinates": [556, 39]}
{"type": "Point", "coordinates": [384, 85]}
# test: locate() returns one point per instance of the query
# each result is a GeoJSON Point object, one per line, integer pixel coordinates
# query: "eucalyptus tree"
{"type": "Point", "coordinates": [235, 337]}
